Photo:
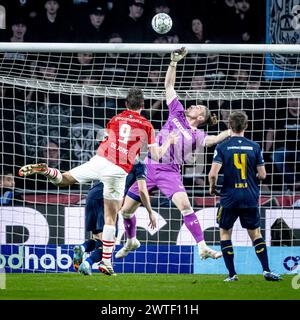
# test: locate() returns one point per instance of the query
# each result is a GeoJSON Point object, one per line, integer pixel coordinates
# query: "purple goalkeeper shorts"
{"type": "Point", "coordinates": [168, 182]}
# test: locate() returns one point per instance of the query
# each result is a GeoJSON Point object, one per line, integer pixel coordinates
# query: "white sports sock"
{"type": "Point", "coordinates": [108, 241]}
{"type": "Point", "coordinates": [202, 245]}
{"type": "Point", "coordinates": [54, 176]}
{"type": "Point", "coordinates": [130, 241]}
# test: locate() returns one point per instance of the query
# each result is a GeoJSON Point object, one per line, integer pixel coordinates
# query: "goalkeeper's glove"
{"type": "Point", "coordinates": [177, 55]}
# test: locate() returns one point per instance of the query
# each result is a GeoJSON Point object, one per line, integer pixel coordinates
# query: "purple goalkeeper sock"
{"type": "Point", "coordinates": [192, 223]}
{"type": "Point", "coordinates": [130, 227]}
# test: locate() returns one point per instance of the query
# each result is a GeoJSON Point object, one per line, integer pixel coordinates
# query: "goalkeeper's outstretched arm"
{"type": "Point", "coordinates": [176, 56]}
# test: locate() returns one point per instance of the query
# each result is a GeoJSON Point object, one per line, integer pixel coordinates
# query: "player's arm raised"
{"type": "Point", "coordinates": [171, 73]}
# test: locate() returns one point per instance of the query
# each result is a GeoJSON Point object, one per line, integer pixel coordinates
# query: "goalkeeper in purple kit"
{"type": "Point", "coordinates": [165, 174]}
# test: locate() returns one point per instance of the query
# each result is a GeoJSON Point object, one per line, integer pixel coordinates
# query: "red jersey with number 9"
{"type": "Point", "coordinates": [127, 133]}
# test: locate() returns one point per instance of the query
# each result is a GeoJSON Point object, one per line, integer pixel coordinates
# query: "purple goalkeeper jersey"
{"type": "Point", "coordinates": [189, 140]}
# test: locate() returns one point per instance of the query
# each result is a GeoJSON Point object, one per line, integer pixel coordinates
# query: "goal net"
{"type": "Point", "coordinates": [55, 102]}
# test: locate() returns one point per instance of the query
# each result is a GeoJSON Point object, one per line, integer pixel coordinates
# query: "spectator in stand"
{"type": "Point", "coordinates": [240, 78]}
{"type": "Point", "coordinates": [7, 187]}
{"type": "Point", "coordinates": [153, 109]}
{"type": "Point", "coordinates": [150, 63]}
{"type": "Point", "coordinates": [16, 61]}
{"type": "Point", "coordinates": [77, 10]}
{"type": "Point", "coordinates": [240, 23]}
{"type": "Point", "coordinates": [82, 63]}
{"type": "Point", "coordinates": [173, 37]}
{"type": "Point", "coordinates": [51, 25]}
{"type": "Point", "coordinates": [2, 22]}
{"type": "Point", "coordinates": [7, 184]}
{"type": "Point", "coordinates": [17, 32]}
{"type": "Point", "coordinates": [19, 29]}
{"type": "Point", "coordinates": [283, 143]}
{"type": "Point", "coordinates": [95, 30]}
{"type": "Point", "coordinates": [86, 100]}
{"type": "Point", "coordinates": [132, 28]}
{"type": "Point", "coordinates": [216, 69]}
{"type": "Point", "coordinates": [25, 8]}
{"type": "Point", "coordinates": [86, 70]}
{"type": "Point", "coordinates": [196, 31]}
{"type": "Point", "coordinates": [7, 178]}
{"type": "Point", "coordinates": [46, 70]}
{"type": "Point", "coordinates": [116, 65]}
{"type": "Point", "coordinates": [162, 6]}
{"type": "Point", "coordinates": [253, 84]}
{"type": "Point", "coordinates": [198, 82]}
{"type": "Point", "coordinates": [50, 154]}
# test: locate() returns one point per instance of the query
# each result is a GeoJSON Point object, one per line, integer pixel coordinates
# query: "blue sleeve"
{"type": "Point", "coordinates": [140, 171]}
{"type": "Point", "coordinates": [259, 157]}
{"type": "Point", "coordinates": [218, 157]}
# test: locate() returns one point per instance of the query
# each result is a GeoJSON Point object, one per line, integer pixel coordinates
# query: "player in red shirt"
{"type": "Point", "coordinates": [127, 133]}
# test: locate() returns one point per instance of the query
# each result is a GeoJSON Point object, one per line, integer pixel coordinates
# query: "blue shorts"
{"type": "Point", "coordinates": [249, 217]}
{"type": "Point", "coordinates": [94, 210]}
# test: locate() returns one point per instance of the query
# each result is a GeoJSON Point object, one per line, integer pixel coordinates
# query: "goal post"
{"type": "Point", "coordinates": [56, 99]}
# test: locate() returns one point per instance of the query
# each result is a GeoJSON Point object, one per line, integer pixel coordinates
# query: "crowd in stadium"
{"type": "Point", "coordinates": [231, 21]}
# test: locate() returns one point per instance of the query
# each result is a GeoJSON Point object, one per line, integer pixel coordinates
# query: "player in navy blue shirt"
{"type": "Point", "coordinates": [94, 219]}
{"type": "Point", "coordinates": [243, 167]}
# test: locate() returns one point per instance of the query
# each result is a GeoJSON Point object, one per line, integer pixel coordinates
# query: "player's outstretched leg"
{"type": "Point", "coordinates": [37, 168]}
{"type": "Point", "coordinates": [53, 174]}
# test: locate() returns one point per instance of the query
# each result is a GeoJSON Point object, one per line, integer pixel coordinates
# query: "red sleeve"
{"type": "Point", "coordinates": [109, 124]}
{"type": "Point", "coordinates": [151, 135]}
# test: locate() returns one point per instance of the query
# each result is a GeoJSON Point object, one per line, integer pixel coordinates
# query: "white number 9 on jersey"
{"type": "Point", "coordinates": [124, 133]}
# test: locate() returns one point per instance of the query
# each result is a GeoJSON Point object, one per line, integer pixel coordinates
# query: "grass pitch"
{"type": "Point", "coordinates": [73, 286]}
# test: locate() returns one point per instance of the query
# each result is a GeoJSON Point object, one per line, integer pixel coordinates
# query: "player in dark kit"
{"type": "Point", "coordinates": [94, 219]}
{"type": "Point", "coordinates": [243, 167]}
